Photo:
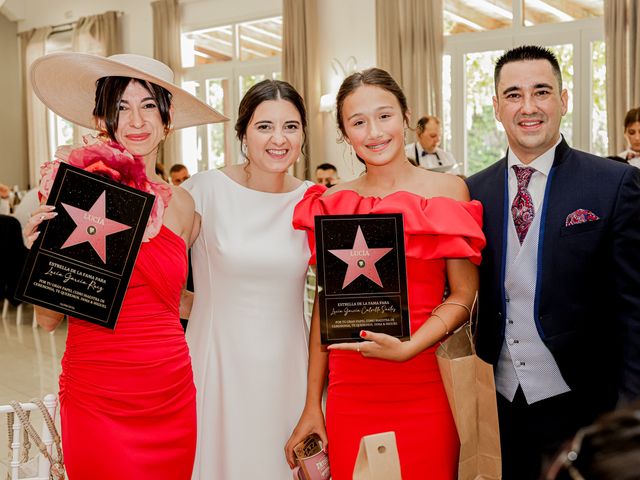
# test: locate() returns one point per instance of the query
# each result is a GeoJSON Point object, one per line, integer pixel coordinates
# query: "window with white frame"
{"type": "Point", "coordinates": [220, 64]}
{"type": "Point", "coordinates": [60, 130]}
{"type": "Point", "coordinates": [479, 31]}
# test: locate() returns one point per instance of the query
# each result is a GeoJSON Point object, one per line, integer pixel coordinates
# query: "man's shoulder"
{"type": "Point", "coordinates": [488, 174]}
{"type": "Point", "coordinates": [595, 165]}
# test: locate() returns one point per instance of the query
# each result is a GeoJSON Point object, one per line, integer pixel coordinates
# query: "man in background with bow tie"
{"type": "Point", "coordinates": [426, 151]}
{"type": "Point", "coordinates": [559, 301]}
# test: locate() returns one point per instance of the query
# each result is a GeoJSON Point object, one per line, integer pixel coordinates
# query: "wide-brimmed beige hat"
{"type": "Point", "coordinates": [66, 83]}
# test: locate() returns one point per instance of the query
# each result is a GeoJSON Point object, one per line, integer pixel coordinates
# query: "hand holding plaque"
{"type": "Point", "coordinates": [82, 261]}
{"type": "Point", "coordinates": [362, 282]}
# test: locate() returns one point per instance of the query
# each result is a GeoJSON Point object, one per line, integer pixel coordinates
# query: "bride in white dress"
{"type": "Point", "coordinates": [246, 333]}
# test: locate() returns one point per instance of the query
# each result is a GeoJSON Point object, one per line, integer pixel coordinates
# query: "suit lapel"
{"type": "Point", "coordinates": [494, 226]}
{"type": "Point", "coordinates": [558, 187]}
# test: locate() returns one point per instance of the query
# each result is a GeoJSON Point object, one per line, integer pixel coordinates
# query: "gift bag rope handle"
{"type": "Point", "coordinates": [57, 466]}
{"type": "Point", "coordinates": [471, 324]}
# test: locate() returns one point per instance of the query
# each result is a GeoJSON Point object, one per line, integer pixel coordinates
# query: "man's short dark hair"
{"type": "Point", "coordinates": [177, 167]}
{"type": "Point", "coordinates": [326, 166]}
{"type": "Point", "coordinates": [526, 53]}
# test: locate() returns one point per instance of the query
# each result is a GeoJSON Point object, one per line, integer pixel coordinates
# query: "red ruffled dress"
{"type": "Point", "coordinates": [367, 396]}
{"type": "Point", "coordinates": [127, 396]}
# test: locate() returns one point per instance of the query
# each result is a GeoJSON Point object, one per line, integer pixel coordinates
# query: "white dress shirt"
{"type": "Point", "coordinates": [538, 181]}
{"type": "Point", "coordinates": [438, 159]}
{"type": "Point", "coordinates": [634, 161]}
{"type": "Point", "coordinates": [4, 206]}
{"type": "Point", "coordinates": [525, 360]}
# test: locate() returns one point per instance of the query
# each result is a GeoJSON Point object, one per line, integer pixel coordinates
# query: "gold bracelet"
{"type": "Point", "coordinates": [453, 303]}
{"type": "Point", "coordinates": [446, 329]}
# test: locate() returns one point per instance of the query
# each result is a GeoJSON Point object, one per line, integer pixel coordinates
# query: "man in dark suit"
{"type": "Point", "coordinates": [560, 276]}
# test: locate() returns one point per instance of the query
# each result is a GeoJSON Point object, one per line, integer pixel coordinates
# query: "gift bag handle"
{"type": "Point", "coordinates": [470, 326]}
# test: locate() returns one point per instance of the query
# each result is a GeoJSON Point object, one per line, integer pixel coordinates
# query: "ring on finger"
{"type": "Point", "coordinates": [42, 217]}
{"type": "Point", "coordinates": [358, 348]}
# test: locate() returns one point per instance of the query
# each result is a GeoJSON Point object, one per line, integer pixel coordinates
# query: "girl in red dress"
{"type": "Point", "coordinates": [382, 384]}
{"type": "Point", "coordinates": [127, 395]}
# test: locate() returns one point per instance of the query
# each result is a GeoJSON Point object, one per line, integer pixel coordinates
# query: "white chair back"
{"type": "Point", "coordinates": [37, 467]}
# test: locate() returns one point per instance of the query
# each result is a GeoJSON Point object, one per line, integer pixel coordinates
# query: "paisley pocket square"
{"type": "Point", "coordinates": [580, 216]}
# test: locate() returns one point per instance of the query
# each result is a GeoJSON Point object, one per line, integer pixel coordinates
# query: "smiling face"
{"type": "Point", "coordinates": [274, 136]}
{"type": "Point", "coordinates": [140, 128]}
{"type": "Point", "coordinates": [374, 125]}
{"type": "Point", "coordinates": [632, 134]}
{"type": "Point", "coordinates": [530, 106]}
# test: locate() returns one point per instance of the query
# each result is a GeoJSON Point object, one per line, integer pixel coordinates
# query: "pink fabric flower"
{"type": "Point", "coordinates": [111, 160]}
{"type": "Point", "coordinates": [48, 172]}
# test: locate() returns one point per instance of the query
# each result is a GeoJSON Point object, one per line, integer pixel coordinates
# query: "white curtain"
{"type": "Point", "coordinates": [621, 24]}
{"type": "Point", "coordinates": [166, 48]}
{"type": "Point", "coordinates": [300, 67]}
{"type": "Point", "coordinates": [32, 46]}
{"type": "Point", "coordinates": [410, 41]}
{"type": "Point", "coordinates": [99, 35]}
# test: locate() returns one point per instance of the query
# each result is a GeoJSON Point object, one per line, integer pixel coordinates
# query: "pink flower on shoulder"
{"type": "Point", "coordinates": [163, 195]}
{"type": "Point", "coordinates": [111, 160]}
{"type": "Point", "coordinates": [48, 172]}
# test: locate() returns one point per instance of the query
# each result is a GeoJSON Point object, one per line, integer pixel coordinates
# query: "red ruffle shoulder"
{"type": "Point", "coordinates": [438, 227]}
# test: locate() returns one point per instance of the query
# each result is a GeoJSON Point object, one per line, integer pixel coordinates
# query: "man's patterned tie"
{"type": "Point", "coordinates": [522, 207]}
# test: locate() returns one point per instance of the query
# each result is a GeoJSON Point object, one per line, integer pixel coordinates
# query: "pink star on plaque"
{"type": "Point", "coordinates": [93, 226]}
{"type": "Point", "coordinates": [361, 260]}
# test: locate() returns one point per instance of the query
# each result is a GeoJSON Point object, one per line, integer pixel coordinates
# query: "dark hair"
{"type": "Point", "coordinates": [632, 116]}
{"type": "Point", "coordinates": [326, 166]}
{"type": "Point", "coordinates": [109, 91]}
{"type": "Point", "coordinates": [160, 171]}
{"type": "Point", "coordinates": [177, 167]}
{"type": "Point", "coordinates": [527, 53]}
{"type": "Point", "coordinates": [422, 123]}
{"type": "Point", "coordinates": [375, 77]}
{"type": "Point", "coordinates": [609, 449]}
{"type": "Point", "coordinates": [263, 91]}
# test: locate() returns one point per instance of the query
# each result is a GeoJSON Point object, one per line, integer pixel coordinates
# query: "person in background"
{"type": "Point", "coordinates": [327, 175]}
{"type": "Point", "coordinates": [381, 383]}
{"type": "Point", "coordinates": [560, 315]}
{"type": "Point", "coordinates": [178, 174]}
{"type": "Point", "coordinates": [632, 134]}
{"type": "Point", "coordinates": [247, 333]}
{"type": "Point", "coordinates": [608, 449]}
{"type": "Point", "coordinates": [426, 152]}
{"type": "Point", "coordinates": [159, 170]}
{"type": "Point", "coordinates": [5, 195]}
{"type": "Point", "coordinates": [127, 397]}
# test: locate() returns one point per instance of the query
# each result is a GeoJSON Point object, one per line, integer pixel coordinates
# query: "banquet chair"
{"type": "Point", "coordinates": [25, 461]}
{"type": "Point", "coordinates": [309, 295]}
{"type": "Point", "coordinates": [13, 254]}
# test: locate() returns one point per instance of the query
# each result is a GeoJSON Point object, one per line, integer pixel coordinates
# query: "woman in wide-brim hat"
{"type": "Point", "coordinates": [127, 395]}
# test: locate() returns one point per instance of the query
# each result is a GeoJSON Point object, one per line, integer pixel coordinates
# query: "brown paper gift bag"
{"type": "Point", "coordinates": [378, 458]}
{"type": "Point", "coordinates": [471, 391]}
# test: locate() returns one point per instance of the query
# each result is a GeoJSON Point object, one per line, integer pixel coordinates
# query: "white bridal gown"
{"type": "Point", "coordinates": [246, 334]}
